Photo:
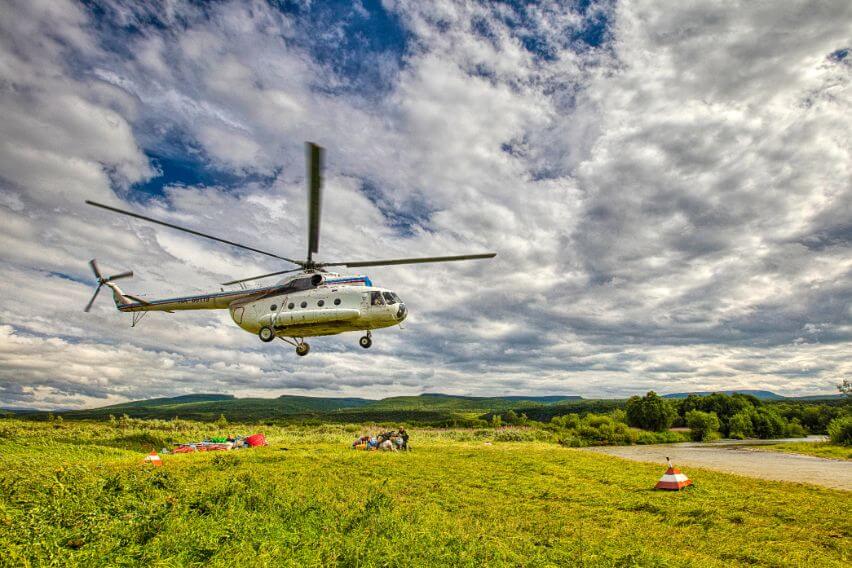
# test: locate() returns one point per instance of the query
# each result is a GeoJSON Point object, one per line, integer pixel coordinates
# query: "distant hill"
{"type": "Point", "coordinates": [19, 410]}
{"type": "Point", "coordinates": [171, 401]}
{"type": "Point", "coordinates": [761, 394]}
{"type": "Point", "coordinates": [431, 407]}
{"type": "Point", "coordinates": [438, 401]}
{"type": "Point", "coordinates": [837, 396]}
{"type": "Point", "coordinates": [210, 406]}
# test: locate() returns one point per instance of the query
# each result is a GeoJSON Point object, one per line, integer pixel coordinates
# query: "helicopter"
{"type": "Point", "coordinates": [311, 301]}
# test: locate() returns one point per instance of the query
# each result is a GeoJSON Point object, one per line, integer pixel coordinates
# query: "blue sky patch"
{"type": "Point", "coordinates": [405, 220]}
{"type": "Point", "coordinates": [361, 42]}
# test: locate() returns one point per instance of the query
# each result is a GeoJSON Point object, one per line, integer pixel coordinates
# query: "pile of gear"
{"type": "Point", "coordinates": [221, 443]}
{"type": "Point", "coordinates": [386, 441]}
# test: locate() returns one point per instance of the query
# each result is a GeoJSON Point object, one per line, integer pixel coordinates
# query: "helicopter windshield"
{"type": "Point", "coordinates": [390, 297]}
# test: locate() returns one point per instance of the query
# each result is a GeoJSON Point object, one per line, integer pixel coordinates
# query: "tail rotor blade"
{"type": "Point", "coordinates": [92, 301]}
{"type": "Point", "coordinates": [315, 164]}
{"type": "Point", "coordinates": [94, 264]}
{"type": "Point", "coordinates": [128, 274]}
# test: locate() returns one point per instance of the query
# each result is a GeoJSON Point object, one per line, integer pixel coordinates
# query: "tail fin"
{"type": "Point", "coordinates": [117, 294]}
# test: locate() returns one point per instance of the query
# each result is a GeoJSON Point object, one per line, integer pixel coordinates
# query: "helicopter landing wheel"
{"type": "Point", "coordinates": [365, 342]}
{"type": "Point", "coordinates": [302, 349]}
{"type": "Point", "coordinates": [266, 334]}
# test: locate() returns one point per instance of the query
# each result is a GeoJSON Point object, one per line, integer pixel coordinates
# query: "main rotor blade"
{"type": "Point", "coordinates": [192, 232]}
{"type": "Point", "coordinates": [94, 264]}
{"type": "Point", "coordinates": [410, 260]}
{"type": "Point", "coordinates": [127, 274]}
{"type": "Point", "coordinates": [92, 301]}
{"type": "Point", "coordinates": [315, 163]}
{"type": "Point", "coordinates": [259, 277]}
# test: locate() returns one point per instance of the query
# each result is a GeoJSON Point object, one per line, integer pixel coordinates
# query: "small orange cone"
{"type": "Point", "coordinates": [673, 479]}
{"type": "Point", "coordinates": [153, 459]}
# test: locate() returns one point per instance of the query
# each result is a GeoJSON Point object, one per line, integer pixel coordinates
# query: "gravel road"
{"type": "Point", "coordinates": [735, 457]}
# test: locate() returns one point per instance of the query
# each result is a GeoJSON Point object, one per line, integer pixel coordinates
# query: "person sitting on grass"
{"type": "Point", "coordinates": [404, 437]}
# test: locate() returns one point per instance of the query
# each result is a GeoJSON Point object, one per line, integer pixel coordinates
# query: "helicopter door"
{"type": "Point", "coordinates": [281, 309]}
{"type": "Point", "coordinates": [238, 314]}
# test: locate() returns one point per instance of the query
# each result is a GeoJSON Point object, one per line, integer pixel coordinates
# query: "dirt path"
{"type": "Point", "coordinates": [735, 457]}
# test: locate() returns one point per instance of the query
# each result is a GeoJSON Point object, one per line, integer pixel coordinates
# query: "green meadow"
{"type": "Point", "coordinates": [76, 493]}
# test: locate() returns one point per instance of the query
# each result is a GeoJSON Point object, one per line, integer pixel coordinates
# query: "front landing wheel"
{"type": "Point", "coordinates": [266, 334]}
{"type": "Point", "coordinates": [302, 349]}
{"type": "Point", "coordinates": [365, 342]}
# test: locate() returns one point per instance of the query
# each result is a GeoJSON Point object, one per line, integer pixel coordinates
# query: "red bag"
{"type": "Point", "coordinates": [256, 440]}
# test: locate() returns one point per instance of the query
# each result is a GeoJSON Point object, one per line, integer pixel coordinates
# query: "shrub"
{"type": "Point", "coordinates": [567, 421]}
{"type": "Point", "coordinates": [513, 435]}
{"type": "Point", "coordinates": [723, 406]}
{"type": "Point", "coordinates": [840, 431]}
{"type": "Point", "coordinates": [767, 423]}
{"type": "Point", "coordinates": [650, 412]}
{"type": "Point", "coordinates": [740, 426]}
{"type": "Point", "coordinates": [619, 415]}
{"type": "Point", "coordinates": [668, 437]}
{"type": "Point", "coordinates": [703, 426]}
{"type": "Point", "coordinates": [571, 441]}
{"type": "Point", "coordinates": [222, 422]}
{"type": "Point", "coordinates": [795, 429]}
{"type": "Point", "coordinates": [603, 430]}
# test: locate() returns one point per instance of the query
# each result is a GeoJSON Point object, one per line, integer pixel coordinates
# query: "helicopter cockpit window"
{"type": "Point", "coordinates": [301, 284]}
{"type": "Point", "coordinates": [390, 298]}
{"type": "Point", "coordinates": [376, 299]}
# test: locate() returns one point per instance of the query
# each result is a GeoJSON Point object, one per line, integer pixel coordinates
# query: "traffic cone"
{"type": "Point", "coordinates": [153, 459]}
{"type": "Point", "coordinates": [673, 479]}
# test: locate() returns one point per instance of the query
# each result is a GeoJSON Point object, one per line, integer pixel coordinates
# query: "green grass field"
{"type": "Point", "coordinates": [818, 449]}
{"type": "Point", "coordinates": [78, 495]}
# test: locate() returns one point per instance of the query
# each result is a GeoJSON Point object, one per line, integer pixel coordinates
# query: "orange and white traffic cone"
{"type": "Point", "coordinates": [153, 459]}
{"type": "Point", "coordinates": [673, 479]}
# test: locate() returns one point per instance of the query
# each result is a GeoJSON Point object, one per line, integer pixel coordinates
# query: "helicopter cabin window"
{"type": "Point", "coordinates": [291, 305]}
{"type": "Point", "coordinates": [389, 297]}
{"type": "Point", "coordinates": [321, 303]}
{"type": "Point", "coordinates": [304, 304]}
{"type": "Point", "coordinates": [337, 301]}
{"type": "Point", "coordinates": [376, 299]}
{"type": "Point", "coordinates": [273, 307]}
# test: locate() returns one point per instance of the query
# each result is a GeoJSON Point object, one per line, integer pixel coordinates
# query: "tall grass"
{"type": "Point", "coordinates": [78, 495]}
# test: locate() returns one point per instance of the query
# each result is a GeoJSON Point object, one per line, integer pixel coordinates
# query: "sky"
{"type": "Point", "coordinates": [668, 187]}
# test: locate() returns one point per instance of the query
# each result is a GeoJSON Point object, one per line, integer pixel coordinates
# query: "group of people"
{"type": "Point", "coordinates": [386, 441]}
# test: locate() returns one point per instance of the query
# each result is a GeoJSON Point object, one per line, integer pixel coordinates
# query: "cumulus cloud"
{"type": "Point", "coordinates": [668, 189]}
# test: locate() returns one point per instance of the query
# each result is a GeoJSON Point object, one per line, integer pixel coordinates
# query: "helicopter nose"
{"type": "Point", "coordinates": [401, 312]}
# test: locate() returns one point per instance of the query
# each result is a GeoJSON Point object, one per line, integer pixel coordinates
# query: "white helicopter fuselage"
{"type": "Point", "coordinates": [305, 306]}
{"type": "Point", "coordinates": [324, 310]}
